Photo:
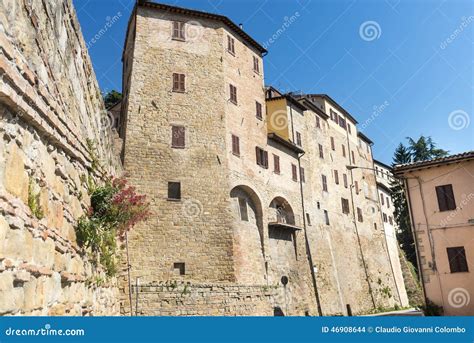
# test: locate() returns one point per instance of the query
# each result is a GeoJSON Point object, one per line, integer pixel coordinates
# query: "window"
{"type": "Point", "coordinates": [256, 66]}
{"type": "Point", "coordinates": [326, 217]}
{"type": "Point", "coordinates": [258, 110]}
{"type": "Point", "coordinates": [244, 215]}
{"type": "Point", "coordinates": [457, 260]}
{"type": "Point", "coordinates": [375, 226]}
{"type": "Point", "coordinates": [343, 151]}
{"type": "Point", "coordinates": [353, 158]}
{"type": "Point", "coordinates": [179, 82]}
{"type": "Point", "coordinates": [293, 172]}
{"type": "Point", "coordinates": [382, 199]}
{"type": "Point", "coordinates": [388, 202]}
{"type": "Point", "coordinates": [233, 94]}
{"type": "Point", "coordinates": [262, 157]}
{"type": "Point", "coordinates": [178, 134]}
{"type": "Point", "coordinates": [179, 268]}
{"type": "Point", "coordinates": [318, 205]}
{"type": "Point", "coordinates": [356, 186]}
{"type": "Point", "coordinates": [325, 183]}
{"type": "Point", "coordinates": [276, 164]}
{"type": "Point", "coordinates": [333, 146]}
{"type": "Point", "coordinates": [302, 178]}
{"type": "Point", "coordinates": [174, 190]}
{"type": "Point", "coordinates": [235, 145]}
{"type": "Point", "coordinates": [178, 31]}
{"type": "Point", "coordinates": [345, 206]}
{"type": "Point", "coordinates": [298, 138]}
{"type": "Point", "coordinates": [349, 128]}
{"type": "Point", "coordinates": [231, 45]}
{"type": "Point", "coordinates": [385, 219]}
{"type": "Point", "coordinates": [390, 220]}
{"type": "Point", "coordinates": [445, 196]}
{"type": "Point", "coordinates": [308, 219]}
{"type": "Point", "coordinates": [336, 177]}
{"type": "Point", "coordinates": [318, 122]}
{"type": "Point", "coordinates": [321, 151]}
{"type": "Point", "coordinates": [342, 122]}
{"type": "Point", "coordinates": [360, 217]}
{"type": "Point", "coordinates": [344, 176]}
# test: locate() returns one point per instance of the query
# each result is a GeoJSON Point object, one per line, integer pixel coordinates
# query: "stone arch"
{"type": "Point", "coordinates": [281, 211]}
{"type": "Point", "coordinates": [248, 235]}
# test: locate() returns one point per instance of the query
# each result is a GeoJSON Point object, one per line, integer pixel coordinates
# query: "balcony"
{"type": "Point", "coordinates": [283, 220]}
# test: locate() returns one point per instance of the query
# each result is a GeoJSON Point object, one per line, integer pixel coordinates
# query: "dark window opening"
{"type": "Point", "coordinates": [179, 82]}
{"type": "Point", "coordinates": [178, 136]}
{"type": "Point", "coordinates": [457, 260]}
{"type": "Point", "coordinates": [174, 190]}
{"type": "Point", "coordinates": [179, 268]}
{"type": "Point", "coordinates": [446, 199]}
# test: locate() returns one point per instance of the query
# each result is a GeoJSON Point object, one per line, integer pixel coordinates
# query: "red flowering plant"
{"type": "Point", "coordinates": [115, 208]}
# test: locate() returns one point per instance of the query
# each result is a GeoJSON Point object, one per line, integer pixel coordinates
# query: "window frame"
{"type": "Point", "coordinates": [231, 45]}
{"type": "Point", "coordinates": [179, 83]}
{"type": "Point", "coordinates": [178, 190]}
{"type": "Point", "coordinates": [181, 29]}
{"type": "Point", "coordinates": [233, 94]}
{"type": "Point", "coordinates": [236, 145]}
{"type": "Point", "coordinates": [175, 141]}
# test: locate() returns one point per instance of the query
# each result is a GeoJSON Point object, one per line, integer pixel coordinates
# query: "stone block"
{"type": "Point", "coordinates": [16, 177]}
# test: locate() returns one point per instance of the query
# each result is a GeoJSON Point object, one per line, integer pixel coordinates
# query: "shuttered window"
{"type": "Point", "coordinates": [326, 217]}
{"type": "Point", "coordinates": [382, 199]}
{"type": "Point", "coordinates": [178, 136]}
{"type": "Point", "coordinates": [256, 65]}
{"type": "Point", "coordinates": [344, 176]}
{"type": "Point", "coordinates": [235, 145]}
{"type": "Point", "coordinates": [446, 199]}
{"type": "Point", "coordinates": [457, 260]}
{"type": "Point", "coordinates": [324, 180]}
{"type": "Point", "coordinates": [333, 146]}
{"type": "Point", "coordinates": [353, 158]}
{"type": "Point", "coordinates": [336, 177]}
{"type": "Point", "coordinates": [262, 157]}
{"type": "Point", "coordinates": [231, 45]}
{"type": "Point", "coordinates": [321, 151]}
{"type": "Point", "coordinates": [298, 139]}
{"type": "Point", "coordinates": [318, 122]}
{"type": "Point", "coordinates": [233, 93]}
{"type": "Point", "coordinates": [258, 110]}
{"type": "Point", "coordinates": [179, 82]}
{"type": "Point", "coordinates": [178, 30]}
{"type": "Point", "coordinates": [276, 164]}
{"type": "Point", "coordinates": [294, 172]}
{"type": "Point", "coordinates": [174, 190]}
{"type": "Point", "coordinates": [343, 151]}
{"type": "Point", "coordinates": [356, 186]}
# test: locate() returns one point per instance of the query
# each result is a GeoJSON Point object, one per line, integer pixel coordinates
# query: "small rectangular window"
{"type": "Point", "coordinates": [235, 145]}
{"type": "Point", "coordinates": [390, 220]}
{"type": "Point", "coordinates": [276, 164]}
{"type": "Point", "coordinates": [178, 134]}
{"type": "Point", "coordinates": [326, 217]}
{"type": "Point", "coordinates": [457, 260]}
{"type": "Point", "coordinates": [179, 84]}
{"type": "Point", "coordinates": [233, 94]}
{"type": "Point", "coordinates": [298, 139]}
{"type": "Point", "coordinates": [262, 157]}
{"type": "Point", "coordinates": [388, 202]}
{"type": "Point", "coordinates": [178, 31]}
{"type": "Point", "coordinates": [244, 215]}
{"type": "Point", "coordinates": [321, 151]}
{"type": "Point", "coordinates": [308, 219]}
{"type": "Point", "coordinates": [356, 187]}
{"type": "Point", "coordinates": [179, 268]}
{"type": "Point", "coordinates": [345, 206]}
{"type": "Point", "coordinates": [256, 65]}
{"type": "Point", "coordinates": [446, 201]}
{"type": "Point", "coordinates": [333, 146]}
{"type": "Point", "coordinates": [360, 217]}
{"type": "Point", "coordinates": [302, 178]}
{"type": "Point", "coordinates": [336, 177]}
{"type": "Point", "coordinates": [231, 45]}
{"type": "Point", "coordinates": [294, 172]}
{"type": "Point", "coordinates": [174, 190]}
{"type": "Point", "coordinates": [325, 183]}
{"type": "Point", "coordinates": [318, 122]}
{"type": "Point", "coordinates": [385, 218]}
{"type": "Point", "coordinates": [344, 176]}
{"type": "Point", "coordinates": [343, 151]}
{"type": "Point", "coordinates": [353, 158]}
{"type": "Point", "coordinates": [258, 110]}
{"type": "Point", "coordinates": [382, 199]}
{"type": "Point", "coordinates": [349, 128]}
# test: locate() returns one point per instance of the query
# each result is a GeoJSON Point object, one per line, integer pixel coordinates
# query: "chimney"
{"type": "Point", "coordinates": [241, 26]}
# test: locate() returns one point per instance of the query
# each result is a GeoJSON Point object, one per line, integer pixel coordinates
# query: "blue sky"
{"type": "Point", "coordinates": [401, 67]}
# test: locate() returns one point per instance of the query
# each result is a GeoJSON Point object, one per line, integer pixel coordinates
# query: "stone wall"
{"type": "Point", "coordinates": [50, 105]}
{"type": "Point", "coordinates": [186, 299]}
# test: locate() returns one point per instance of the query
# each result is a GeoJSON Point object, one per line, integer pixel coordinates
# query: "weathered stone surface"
{"type": "Point", "coordinates": [16, 179]}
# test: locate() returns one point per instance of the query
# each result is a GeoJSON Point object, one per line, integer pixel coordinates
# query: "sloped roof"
{"type": "Point", "coordinates": [407, 167]}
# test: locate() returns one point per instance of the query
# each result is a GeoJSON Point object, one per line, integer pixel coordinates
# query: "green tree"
{"type": "Point", "coordinates": [422, 149]}
{"type": "Point", "coordinates": [111, 98]}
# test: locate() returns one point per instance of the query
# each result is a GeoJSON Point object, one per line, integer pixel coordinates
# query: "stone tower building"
{"type": "Point", "coordinates": [254, 211]}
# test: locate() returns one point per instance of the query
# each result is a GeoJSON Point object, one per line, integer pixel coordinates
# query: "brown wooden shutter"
{"type": "Point", "coordinates": [178, 139]}
{"type": "Point", "coordinates": [293, 172]}
{"type": "Point", "coordinates": [175, 82]}
{"type": "Point", "coordinates": [325, 183]}
{"type": "Point", "coordinates": [257, 153]}
{"type": "Point", "coordinates": [457, 260]}
{"type": "Point", "coordinates": [336, 177]}
{"type": "Point", "coordinates": [265, 159]}
{"type": "Point", "coordinates": [276, 163]}
{"type": "Point", "coordinates": [235, 145]}
{"type": "Point", "coordinates": [182, 87]}
{"type": "Point", "coordinates": [333, 146]}
{"type": "Point", "coordinates": [302, 177]}
{"type": "Point", "coordinates": [445, 195]}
